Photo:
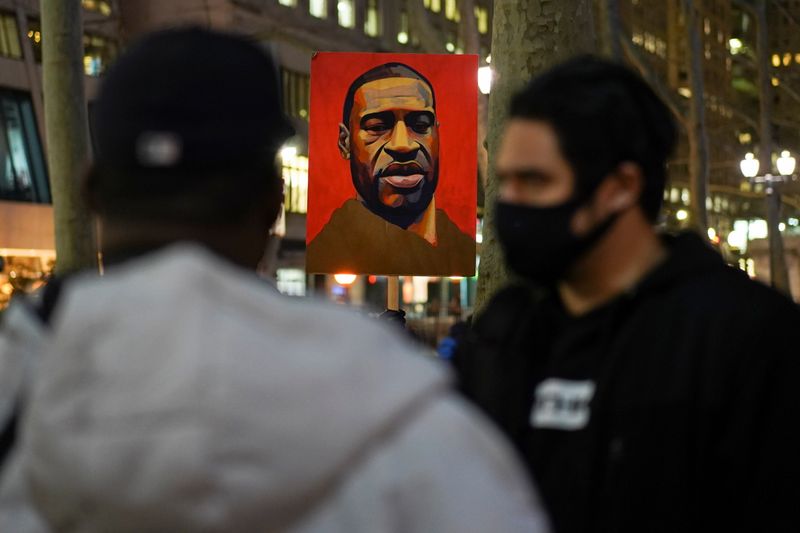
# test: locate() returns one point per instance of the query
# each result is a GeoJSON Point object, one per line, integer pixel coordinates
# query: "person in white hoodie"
{"type": "Point", "coordinates": [180, 392]}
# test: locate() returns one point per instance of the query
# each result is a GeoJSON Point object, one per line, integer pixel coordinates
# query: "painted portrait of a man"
{"type": "Point", "coordinates": [389, 139]}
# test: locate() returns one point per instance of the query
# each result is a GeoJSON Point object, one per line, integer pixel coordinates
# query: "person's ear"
{"type": "Point", "coordinates": [344, 141]}
{"type": "Point", "coordinates": [621, 189]}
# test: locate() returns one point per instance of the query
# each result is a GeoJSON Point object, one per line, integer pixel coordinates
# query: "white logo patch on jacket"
{"type": "Point", "coordinates": [562, 404]}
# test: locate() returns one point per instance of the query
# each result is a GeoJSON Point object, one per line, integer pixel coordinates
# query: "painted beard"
{"type": "Point", "coordinates": [411, 187]}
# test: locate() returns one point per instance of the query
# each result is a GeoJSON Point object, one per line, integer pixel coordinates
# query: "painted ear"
{"type": "Point", "coordinates": [344, 141]}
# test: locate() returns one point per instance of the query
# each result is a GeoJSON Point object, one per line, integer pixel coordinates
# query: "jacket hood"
{"type": "Point", "coordinates": [187, 395]}
{"type": "Point", "coordinates": [688, 255]}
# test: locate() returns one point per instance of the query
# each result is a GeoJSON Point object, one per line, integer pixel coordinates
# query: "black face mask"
{"type": "Point", "coordinates": [538, 241]}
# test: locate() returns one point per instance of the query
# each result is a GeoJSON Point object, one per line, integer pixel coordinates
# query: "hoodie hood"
{"type": "Point", "coordinates": [688, 256]}
{"type": "Point", "coordinates": [188, 395]}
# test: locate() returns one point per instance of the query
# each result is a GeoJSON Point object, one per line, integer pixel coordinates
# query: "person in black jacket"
{"type": "Point", "coordinates": [649, 386]}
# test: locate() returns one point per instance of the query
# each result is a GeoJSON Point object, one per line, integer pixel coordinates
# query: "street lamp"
{"type": "Point", "coordinates": [749, 166]}
{"type": "Point", "coordinates": [786, 163]}
{"type": "Point", "coordinates": [344, 279]}
{"type": "Point", "coordinates": [786, 166]}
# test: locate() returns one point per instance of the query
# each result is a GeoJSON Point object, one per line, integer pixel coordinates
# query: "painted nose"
{"type": "Point", "coordinates": [399, 145]}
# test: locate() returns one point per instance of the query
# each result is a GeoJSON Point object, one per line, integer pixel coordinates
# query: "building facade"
{"type": "Point", "coordinates": [293, 30]}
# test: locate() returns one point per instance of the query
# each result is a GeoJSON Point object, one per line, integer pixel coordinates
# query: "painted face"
{"type": "Point", "coordinates": [394, 148]}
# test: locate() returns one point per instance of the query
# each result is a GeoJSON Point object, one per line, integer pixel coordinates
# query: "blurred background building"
{"type": "Point", "coordinates": [656, 34]}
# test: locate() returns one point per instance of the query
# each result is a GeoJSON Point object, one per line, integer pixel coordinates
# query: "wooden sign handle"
{"type": "Point", "coordinates": [393, 294]}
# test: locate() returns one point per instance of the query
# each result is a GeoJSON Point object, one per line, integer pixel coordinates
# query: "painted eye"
{"type": "Point", "coordinates": [421, 127]}
{"type": "Point", "coordinates": [377, 127]}
{"type": "Point", "coordinates": [421, 124]}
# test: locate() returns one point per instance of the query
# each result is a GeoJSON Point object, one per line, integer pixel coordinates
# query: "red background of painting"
{"type": "Point", "coordinates": [454, 79]}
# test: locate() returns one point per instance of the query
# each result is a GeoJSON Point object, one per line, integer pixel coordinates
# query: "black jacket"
{"type": "Point", "coordinates": [692, 421]}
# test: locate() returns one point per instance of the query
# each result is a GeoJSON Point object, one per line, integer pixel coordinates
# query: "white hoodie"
{"type": "Point", "coordinates": [179, 393]}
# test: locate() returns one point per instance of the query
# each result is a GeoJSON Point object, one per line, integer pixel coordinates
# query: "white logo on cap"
{"type": "Point", "coordinates": [158, 149]}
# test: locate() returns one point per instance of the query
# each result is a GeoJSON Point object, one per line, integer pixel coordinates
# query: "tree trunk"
{"type": "Point", "coordinates": [697, 131]}
{"type": "Point", "coordinates": [527, 37]}
{"type": "Point", "coordinates": [612, 28]}
{"type": "Point", "coordinates": [779, 277]}
{"type": "Point", "coordinates": [67, 133]}
{"type": "Point", "coordinates": [468, 30]}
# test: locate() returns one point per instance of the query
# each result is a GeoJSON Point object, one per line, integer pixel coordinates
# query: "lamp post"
{"type": "Point", "coordinates": [786, 165]}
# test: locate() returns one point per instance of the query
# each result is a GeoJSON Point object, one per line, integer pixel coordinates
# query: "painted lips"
{"type": "Point", "coordinates": [404, 182]}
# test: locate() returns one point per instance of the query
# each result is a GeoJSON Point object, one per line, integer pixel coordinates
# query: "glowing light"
{"type": "Point", "coordinates": [786, 163]}
{"type": "Point", "coordinates": [781, 227]}
{"type": "Point", "coordinates": [344, 9]}
{"type": "Point", "coordinates": [735, 45]}
{"type": "Point", "coordinates": [712, 233]}
{"type": "Point", "coordinates": [288, 152]}
{"type": "Point", "coordinates": [737, 239]}
{"type": "Point", "coordinates": [685, 92]}
{"type": "Point", "coordinates": [402, 37]}
{"type": "Point", "coordinates": [485, 76]}
{"type": "Point", "coordinates": [682, 214]}
{"type": "Point", "coordinates": [489, 59]}
{"type": "Point", "coordinates": [758, 229]}
{"type": "Point", "coordinates": [344, 279]}
{"type": "Point", "coordinates": [749, 166]}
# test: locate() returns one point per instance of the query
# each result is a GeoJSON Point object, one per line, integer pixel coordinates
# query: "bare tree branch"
{"type": "Point", "coordinates": [635, 58]}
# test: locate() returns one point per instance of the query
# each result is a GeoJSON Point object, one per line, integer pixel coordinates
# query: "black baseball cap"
{"type": "Point", "coordinates": [189, 99]}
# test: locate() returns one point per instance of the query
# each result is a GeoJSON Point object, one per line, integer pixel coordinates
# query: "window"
{"type": "Point", "coordinates": [22, 172]}
{"type": "Point", "coordinates": [296, 93]}
{"type": "Point", "coordinates": [9, 36]}
{"type": "Point", "coordinates": [482, 19]}
{"type": "Point", "coordinates": [346, 13]}
{"type": "Point", "coordinates": [295, 180]}
{"type": "Point", "coordinates": [292, 281]}
{"type": "Point", "coordinates": [98, 6]}
{"type": "Point", "coordinates": [451, 10]}
{"type": "Point", "coordinates": [318, 8]}
{"type": "Point", "coordinates": [35, 35]}
{"type": "Point", "coordinates": [402, 33]}
{"type": "Point", "coordinates": [372, 19]}
{"type": "Point", "coordinates": [434, 5]}
{"type": "Point", "coordinates": [98, 53]}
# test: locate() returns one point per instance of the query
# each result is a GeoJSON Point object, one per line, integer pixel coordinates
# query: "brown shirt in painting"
{"type": "Point", "coordinates": [357, 241]}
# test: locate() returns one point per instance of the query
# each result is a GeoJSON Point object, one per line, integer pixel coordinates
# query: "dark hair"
{"type": "Point", "coordinates": [186, 127]}
{"type": "Point", "coordinates": [603, 114]}
{"type": "Point", "coordinates": [387, 70]}
{"type": "Point", "coordinates": [193, 197]}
